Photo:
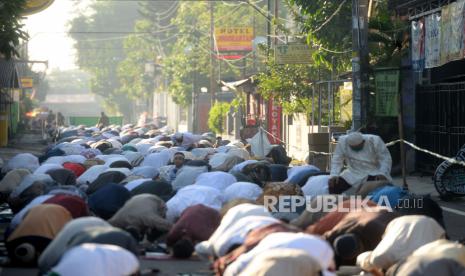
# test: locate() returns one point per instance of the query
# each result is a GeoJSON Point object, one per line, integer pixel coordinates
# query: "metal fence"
{"type": "Point", "coordinates": [440, 117]}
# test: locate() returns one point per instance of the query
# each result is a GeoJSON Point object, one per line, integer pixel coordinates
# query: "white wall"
{"type": "Point", "coordinates": [163, 105]}
{"type": "Point", "coordinates": [297, 136]}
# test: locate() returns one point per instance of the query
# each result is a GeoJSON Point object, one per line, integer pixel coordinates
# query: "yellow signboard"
{"type": "Point", "coordinates": [234, 38]}
{"type": "Point", "coordinates": [35, 6]}
{"type": "Point", "coordinates": [293, 54]}
{"type": "Point", "coordinates": [27, 82]}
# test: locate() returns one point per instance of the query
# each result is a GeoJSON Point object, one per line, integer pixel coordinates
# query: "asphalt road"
{"type": "Point", "coordinates": [454, 217]}
{"type": "Point", "coordinates": [453, 211]}
{"type": "Point", "coordinates": [148, 268]}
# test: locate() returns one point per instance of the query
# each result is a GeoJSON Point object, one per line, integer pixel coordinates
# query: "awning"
{"type": "Point", "coordinates": [8, 74]}
{"type": "Point", "coordinates": [235, 84]}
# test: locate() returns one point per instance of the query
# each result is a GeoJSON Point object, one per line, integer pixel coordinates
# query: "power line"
{"type": "Point", "coordinates": [330, 17]}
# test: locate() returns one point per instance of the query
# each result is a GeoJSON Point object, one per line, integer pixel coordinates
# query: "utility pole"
{"type": "Point", "coordinates": [276, 16]}
{"type": "Point", "coordinates": [254, 57]}
{"type": "Point", "coordinates": [268, 27]}
{"type": "Point", "coordinates": [360, 63]}
{"type": "Point", "coordinates": [212, 55]}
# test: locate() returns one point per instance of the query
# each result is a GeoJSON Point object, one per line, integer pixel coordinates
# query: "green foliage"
{"type": "Point", "coordinates": [146, 49]}
{"type": "Point", "coordinates": [217, 116]}
{"type": "Point", "coordinates": [135, 82]}
{"type": "Point", "coordinates": [100, 49]}
{"type": "Point", "coordinates": [187, 62]}
{"type": "Point", "coordinates": [327, 27]}
{"type": "Point", "coordinates": [11, 27]}
{"type": "Point", "coordinates": [387, 37]}
{"type": "Point", "coordinates": [288, 84]}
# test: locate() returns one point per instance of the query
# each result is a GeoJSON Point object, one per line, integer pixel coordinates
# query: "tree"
{"type": "Point", "coordinates": [135, 82]}
{"type": "Point", "coordinates": [327, 28]}
{"type": "Point", "coordinates": [99, 33]}
{"type": "Point", "coordinates": [217, 116]}
{"type": "Point", "coordinates": [188, 59]}
{"type": "Point", "coordinates": [11, 27]}
{"type": "Point", "coordinates": [142, 50]}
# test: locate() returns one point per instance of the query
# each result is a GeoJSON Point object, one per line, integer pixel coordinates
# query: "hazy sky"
{"type": "Point", "coordinates": [48, 38]}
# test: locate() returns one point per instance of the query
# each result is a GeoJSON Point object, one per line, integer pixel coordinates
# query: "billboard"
{"type": "Point", "coordinates": [274, 121]}
{"type": "Point", "coordinates": [297, 53]}
{"type": "Point", "coordinates": [230, 39]}
{"type": "Point", "coordinates": [387, 92]}
{"type": "Point", "coordinates": [27, 82]}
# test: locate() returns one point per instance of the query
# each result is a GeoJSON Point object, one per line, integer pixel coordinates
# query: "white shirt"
{"type": "Point", "coordinates": [238, 231]}
{"type": "Point", "coordinates": [402, 237]}
{"type": "Point", "coordinates": [316, 185]}
{"type": "Point", "coordinates": [192, 195]}
{"type": "Point", "coordinates": [205, 248]}
{"type": "Point", "coordinates": [145, 171]}
{"type": "Point", "coordinates": [238, 168]}
{"type": "Point", "coordinates": [374, 159]}
{"type": "Point", "coordinates": [91, 174]}
{"type": "Point", "coordinates": [217, 180]}
{"type": "Point", "coordinates": [22, 161]}
{"type": "Point", "coordinates": [47, 167]}
{"type": "Point", "coordinates": [312, 245]}
{"type": "Point", "coordinates": [156, 160]}
{"type": "Point", "coordinates": [245, 190]}
{"type": "Point", "coordinates": [97, 259]}
{"type": "Point", "coordinates": [18, 218]}
{"type": "Point", "coordinates": [58, 246]}
{"type": "Point", "coordinates": [136, 183]}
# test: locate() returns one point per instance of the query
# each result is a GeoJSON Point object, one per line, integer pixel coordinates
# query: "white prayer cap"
{"type": "Point", "coordinates": [354, 139]}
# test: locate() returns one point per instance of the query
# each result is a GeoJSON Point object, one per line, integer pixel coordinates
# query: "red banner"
{"type": "Point", "coordinates": [274, 121]}
{"type": "Point", "coordinates": [229, 57]}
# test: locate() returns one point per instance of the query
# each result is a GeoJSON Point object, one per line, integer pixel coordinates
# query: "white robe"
{"type": "Point", "coordinates": [402, 237]}
{"type": "Point", "coordinates": [190, 196]}
{"type": "Point", "coordinates": [22, 161]}
{"type": "Point", "coordinates": [97, 259]}
{"type": "Point", "coordinates": [18, 218]}
{"type": "Point", "coordinates": [58, 246]}
{"type": "Point", "coordinates": [217, 180]}
{"type": "Point", "coordinates": [238, 231]}
{"type": "Point", "coordinates": [374, 159]}
{"type": "Point", "coordinates": [246, 190]}
{"type": "Point", "coordinates": [156, 160]}
{"type": "Point", "coordinates": [188, 139]}
{"type": "Point", "coordinates": [205, 248]}
{"type": "Point", "coordinates": [312, 245]}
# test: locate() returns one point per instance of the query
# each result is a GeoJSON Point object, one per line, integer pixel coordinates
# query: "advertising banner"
{"type": "Point", "coordinates": [387, 92]}
{"type": "Point", "coordinates": [445, 33]}
{"type": "Point", "coordinates": [293, 54]}
{"type": "Point", "coordinates": [432, 40]}
{"type": "Point", "coordinates": [418, 51]}
{"type": "Point", "coordinates": [234, 39]}
{"type": "Point", "coordinates": [27, 82]}
{"type": "Point", "coordinates": [274, 121]}
{"type": "Point", "coordinates": [456, 30]}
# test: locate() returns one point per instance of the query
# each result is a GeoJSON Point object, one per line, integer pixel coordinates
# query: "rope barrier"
{"type": "Point", "coordinates": [392, 143]}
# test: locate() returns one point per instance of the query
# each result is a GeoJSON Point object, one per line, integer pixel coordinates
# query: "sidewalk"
{"type": "Point", "coordinates": [418, 185]}
{"type": "Point", "coordinates": [27, 142]}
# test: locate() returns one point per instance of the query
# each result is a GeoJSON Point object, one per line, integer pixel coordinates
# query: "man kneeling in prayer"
{"type": "Point", "coordinates": [367, 159]}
